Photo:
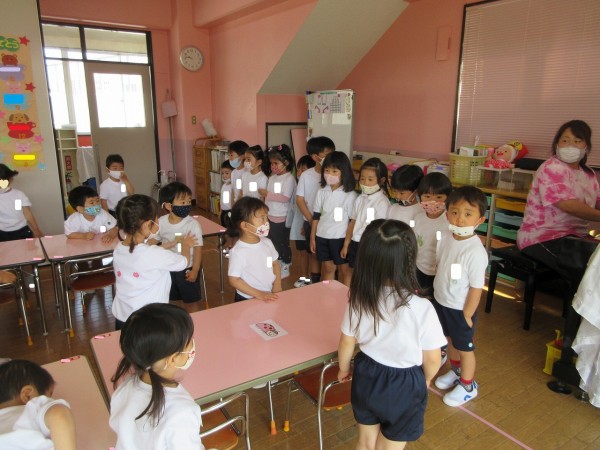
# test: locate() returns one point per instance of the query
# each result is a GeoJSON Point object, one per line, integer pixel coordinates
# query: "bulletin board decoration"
{"type": "Point", "coordinates": [20, 138]}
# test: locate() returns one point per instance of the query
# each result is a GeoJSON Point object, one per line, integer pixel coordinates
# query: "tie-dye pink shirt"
{"type": "Point", "coordinates": [555, 181]}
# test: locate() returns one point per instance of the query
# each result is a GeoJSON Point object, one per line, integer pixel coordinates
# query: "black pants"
{"type": "Point", "coordinates": [22, 233]}
{"type": "Point", "coordinates": [280, 236]}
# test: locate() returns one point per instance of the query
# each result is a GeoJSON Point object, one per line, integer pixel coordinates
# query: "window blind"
{"type": "Point", "coordinates": [527, 67]}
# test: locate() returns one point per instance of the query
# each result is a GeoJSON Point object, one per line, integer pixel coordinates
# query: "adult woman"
{"type": "Point", "coordinates": [563, 198]}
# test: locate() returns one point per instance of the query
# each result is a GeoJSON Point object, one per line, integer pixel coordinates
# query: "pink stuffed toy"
{"type": "Point", "coordinates": [505, 155]}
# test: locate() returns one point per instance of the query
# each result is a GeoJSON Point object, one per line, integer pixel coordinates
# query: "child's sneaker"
{"type": "Point", "coordinates": [302, 281]}
{"type": "Point", "coordinates": [459, 395]}
{"type": "Point", "coordinates": [285, 269]}
{"type": "Point", "coordinates": [447, 380]}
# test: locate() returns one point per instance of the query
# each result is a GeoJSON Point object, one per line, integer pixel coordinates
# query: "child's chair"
{"type": "Point", "coordinates": [218, 429]}
{"type": "Point", "coordinates": [17, 285]}
{"type": "Point", "coordinates": [321, 386]}
{"type": "Point", "coordinates": [89, 274]}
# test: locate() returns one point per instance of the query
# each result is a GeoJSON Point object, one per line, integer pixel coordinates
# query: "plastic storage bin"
{"type": "Point", "coordinates": [508, 219]}
{"type": "Point", "coordinates": [504, 232]}
{"type": "Point", "coordinates": [464, 169]}
{"type": "Point", "coordinates": [510, 205]}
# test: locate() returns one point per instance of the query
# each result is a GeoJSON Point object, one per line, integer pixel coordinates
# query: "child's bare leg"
{"type": "Point", "coordinates": [345, 274]}
{"type": "Point", "coordinates": [327, 270]}
{"type": "Point", "coordinates": [313, 263]}
{"type": "Point", "coordinates": [467, 365]}
{"type": "Point", "coordinates": [453, 354]}
{"type": "Point", "coordinates": [367, 437]}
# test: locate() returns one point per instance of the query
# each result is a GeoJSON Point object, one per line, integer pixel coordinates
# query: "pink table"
{"type": "Point", "coordinates": [22, 252]}
{"type": "Point", "coordinates": [231, 356]}
{"type": "Point", "coordinates": [75, 383]}
{"type": "Point", "coordinates": [59, 249]}
{"type": "Point", "coordinates": [210, 228]}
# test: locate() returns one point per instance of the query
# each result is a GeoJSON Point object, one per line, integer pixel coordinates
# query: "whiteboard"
{"type": "Point", "coordinates": [331, 114]}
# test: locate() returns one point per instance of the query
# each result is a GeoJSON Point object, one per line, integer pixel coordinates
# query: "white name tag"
{"type": "Point", "coordinates": [455, 272]}
{"type": "Point", "coordinates": [253, 186]}
{"type": "Point", "coordinates": [238, 183]}
{"type": "Point", "coordinates": [411, 223]}
{"type": "Point", "coordinates": [18, 205]}
{"type": "Point", "coordinates": [123, 187]}
{"type": "Point", "coordinates": [226, 198]}
{"type": "Point", "coordinates": [370, 215]}
{"type": "Point", "coordinates": [269, 262]}
{"type": "Point", "coordinates": [102, 229]}
{"type": "Point", "coordinates": [338, 214]}
{"type": "Point", "coordinates": [438, 235]}
{"type": "Point", "coordinates": [277, 188]}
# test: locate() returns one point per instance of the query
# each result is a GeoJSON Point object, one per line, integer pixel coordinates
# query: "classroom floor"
{"type": "Point", "coordinates": [514, 409]}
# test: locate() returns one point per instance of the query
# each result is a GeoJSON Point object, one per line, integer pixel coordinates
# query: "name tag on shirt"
{"type": "Point", "coordinates": [270, 262]}
{"type": "Point", "coordinates": [18, 205]}
{"type": "Point", "coordinates": [370, 215]}
{"type": "Point", "coordinates": [123, 188]}
{"type": "Point", "coordinates": [455, 272]}
{"type": "Point", "coordinates": [238, 183]}
{"type": "Point", "coordinates": [277, 188]}
{"type": "Point", "coordinates": [338, 214]}
{"type": "Point", "coordinates": [226, 197]}
{"type": "Point", "coordinates": [253, 186]}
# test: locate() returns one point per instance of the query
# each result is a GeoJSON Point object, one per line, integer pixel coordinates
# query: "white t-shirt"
{"type": "Point", "coordinates": [295, 222]}
{"type": "Point", "coordinates": [378, 202]}
{"type": "Point", "coordinates": [426, 232]}
{"type": "Point", "coordinates": [404, 213]}
{"type": "Point", "coordinates": [178, 427]}
{"type": "Point", "coordinates": [472, 257]}
{"type": "Point", "coordinates": [308, 186]}
{"type": "Point", "coordinates": [402, 336]}
{"type": "Point", "coordinates": [236, 174]}
{"type": "Point", "coordinates": [326, 203]}
{"type": "Point", "coordinates": [287, 187]}
{"type": "Point", "coordinates": [77, 223]}
{"type": "Point", "coordinates": [142, 277]}
{"type": "Point", "coordinates": [12, 219]}
{"type": "Point", "coordinates": [249, 262]}
{"type": "Point", "coordinates": [187, 225]}
{"type": "Point", "coordinates": [112, 192]}
{"type": "Point", "coordinates": [259, 178]}
{"type": "Point", "coordinates": [24, 426]}
{"type": "Point", "coordinates": [226, 187]}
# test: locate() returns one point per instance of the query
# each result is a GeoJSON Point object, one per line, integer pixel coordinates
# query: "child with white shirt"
{"type": "Point", "coordinates": [253, 261]}
{"type": "Point", "coordinates": [176, 198]}
{"type": "Point", "coordinates": [281, 188]}
{"type": "Point", "coordinates": [89, 219]}
{"type": "Point", "coordinates": [29, 417]}
{"type": "Point", "coordinates": [308, 185]}
{"type": "Point", "coordinates": [16, 218]}
{"type": "Point", "coordinates": [331, 214]}
{"type": "Point", "coordinates": [461, 264]}
{"type": "Point", "coordinates": [116, 186]}
{"type": "Point", "coordinates": [373, 203]}
{"type": "Point", "coordinates": [150, 409]}
{"type": "Point", "coordinates": [236, 151]}
{"type": "Point", "coordinates": [254, 181]}
{"type": "Point", "coordinates": [405, 181]}
{"type": "Point", "coordinates": [142, 270]}
{"type": "Point", "coordinates": [399, 336]}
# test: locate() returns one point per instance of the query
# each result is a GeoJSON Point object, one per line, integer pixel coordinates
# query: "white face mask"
{"type": "Point", "coordinates": [331, 179]}
{"type": "Point", "coordinates": [462, 231]}
{"type": "Point", "coordinates": [116, 174]}
{"type": "Point", "coordinates": [570, 154]}
{"type": "Point", "coordinates": [248, 165]}
{"type": "Point", "coordinates": [191, 355]}
{"type": "Point", "coordinates": [368, 190]}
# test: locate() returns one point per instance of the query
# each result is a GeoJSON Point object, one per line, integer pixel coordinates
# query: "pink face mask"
{"type": "Point", "coordinates": [433, 207]}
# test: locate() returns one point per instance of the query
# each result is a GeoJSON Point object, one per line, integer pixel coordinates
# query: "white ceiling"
{"type": "Point", "coordinates": [333, 39]}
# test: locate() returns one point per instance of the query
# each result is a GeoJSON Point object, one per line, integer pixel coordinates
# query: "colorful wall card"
{"type": "Point", "coordinates": [20, 141]}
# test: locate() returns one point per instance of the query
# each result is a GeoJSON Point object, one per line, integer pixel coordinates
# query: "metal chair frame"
{"type": "Point", "coordinates": [231, 421]}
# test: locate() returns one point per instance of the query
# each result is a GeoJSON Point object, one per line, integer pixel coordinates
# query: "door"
{"type": "Point", "coordinates": [122, 120]}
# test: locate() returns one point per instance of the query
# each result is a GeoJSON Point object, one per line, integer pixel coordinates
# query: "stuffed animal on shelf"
{"type": "Point", "coordinates": [505, 155]}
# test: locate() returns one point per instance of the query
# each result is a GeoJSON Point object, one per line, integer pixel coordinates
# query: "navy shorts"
{"type": "Point", "coordinates": [329, 250]}
{"type": "Point", "coordinates": [21, 233]}
{"type": "Point", "coordinates": [392, 397]}
{"type": "Point", "coordinates": [307, 227]}
{"type": "Point", "coordinates": [301, 245]}
{"type": "Point", "coordinates": [456, 327]}
{"type": "Point", "coordinates": [351, 255]}
{"type": "Point", "coordinates": [182, 289]}
{"type": "Point", "coordinates": [426, 284]}
{"type": "Point", "coordinates": [226, 218]}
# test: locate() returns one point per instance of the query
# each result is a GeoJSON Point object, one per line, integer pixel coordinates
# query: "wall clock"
{"type": "Point", "coordinates": [191, 58]}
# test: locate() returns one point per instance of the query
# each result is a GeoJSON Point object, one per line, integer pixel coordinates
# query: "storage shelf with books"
{"type": "Point", "coordinates": [204, 173]}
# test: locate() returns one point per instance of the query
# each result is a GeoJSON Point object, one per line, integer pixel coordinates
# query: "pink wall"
{"type": "Point", "coordinates": [213, 12]}
{"type": "Point", "coordinates": [278, 108]}
{"type": "Point", "coordinates": [405, 99]}
{"type": "Point", "coordinates": [245, 51]}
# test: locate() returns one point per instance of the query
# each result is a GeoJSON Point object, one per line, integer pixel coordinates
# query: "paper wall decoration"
{"type": "Point", "coordinates": [20, 139]}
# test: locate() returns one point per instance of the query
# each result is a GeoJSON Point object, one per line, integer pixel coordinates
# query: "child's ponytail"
{"type": "Point", "coordinates": [132, 212]}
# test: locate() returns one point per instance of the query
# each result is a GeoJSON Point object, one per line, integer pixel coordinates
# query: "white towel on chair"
{"type": "Point", "coordinates": [86, 163]}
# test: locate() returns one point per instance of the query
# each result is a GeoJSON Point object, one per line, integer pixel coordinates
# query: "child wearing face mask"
{"type": "Point", "coordinates": [116, 186]}
{"type": "Point", "coordinates": [150, 408]}
{"type": "Point", "coordinates": [373, 203]}
{"type": "Point", "coordinates": [254, 269]}
{"type": "Point", "coordinates": [236, 151]}
{"type": "Point", "coordinates": [461, 264]}
{"type": "Point", "coordinates": [405, 181]}
{"type": "Point", "coordinates": [142, 270]}
{"type": "Point", "coordinates": [176, 198]}
{"type": "Point", "coordinates": [254, 181]}
{"type": "Point", "coordinates": [433, 190]}
{"type": "Point", "coordinates": [281, 188]}
{"type": "Point", "coordinates": [16, 218]}
{"type": "Point", "coordinates": [89, 219]}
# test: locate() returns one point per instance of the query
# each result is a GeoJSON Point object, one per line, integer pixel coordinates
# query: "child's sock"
{"type": "Point", "coordinates": [455, 366]}
{"type": "Point", "coordinates": [315, 277]}
{"type": "Point", "coordinates": [467, 384]}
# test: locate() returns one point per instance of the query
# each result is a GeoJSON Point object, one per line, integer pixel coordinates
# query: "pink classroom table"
{"type": "Point", "coordinates": [231, 356]}
{"type": "Point", "coordinates": [19, 253]}
{"type": "Point", "coordinates": [59, 249]}
{"type": "Point", "coordinates": [209, 229]}
{"type": "Point", "coordinates": [76, 384]}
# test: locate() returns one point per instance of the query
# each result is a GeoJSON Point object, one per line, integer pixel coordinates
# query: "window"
{"type": "Point", "coordinates": [528, 66]}
{"type": "Point", "coordinates": [120, 100]}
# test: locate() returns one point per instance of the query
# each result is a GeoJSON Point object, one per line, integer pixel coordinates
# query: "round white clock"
{"type": "Point", "coordinates": [191, 58]}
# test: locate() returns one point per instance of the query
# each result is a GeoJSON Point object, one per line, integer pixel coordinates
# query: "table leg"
{"type": "Point", "coordinates": [22, 305]}
{"type": "Point", "coordinates": [488, 235]}
{"type": "Point", "coordinates": [65, 302]}
{"type": "Point", "coordinates": [220, 246]}
{"type": "Point", "coordinates": [40, 300]}
{"type": "Point", "coordinates": [273, 427]}
{"type": "Point", "coordinates": [57, 302]}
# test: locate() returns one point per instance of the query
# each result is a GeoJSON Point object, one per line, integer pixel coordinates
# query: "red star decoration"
{"type": "Point", "coordinates": [24, 40]}
{"type": "Point", "coordinates": [29, 87]}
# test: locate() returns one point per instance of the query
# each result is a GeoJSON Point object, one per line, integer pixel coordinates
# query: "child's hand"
{"type": "Point", "coordinates": [124, 178]}
{"type": "Point", "coordinates": [301, 231]}
{"type": "Point", "coordinates": [107, 238]}
{"type": "Point", "coordinates": [267, 296]}
{"type": "Point", "coordinates": [313, 245]}
{"type": "Point", "coordinates": [168, 244]}
{"type": "Point", "coordinates": [344, 375]}
{"type": "Point", "coordinates": [189, 240]}
{"type": "Point", "coordinates": [89, 236]}
{"type": "Point", "coordinates": [469, 321]}
{"type": "Point", "coordinates": [191, 275]}
{"type": "Point", "coordinates": [7, 277]}
{"type": "Point", "coordinates": [344, 251]}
